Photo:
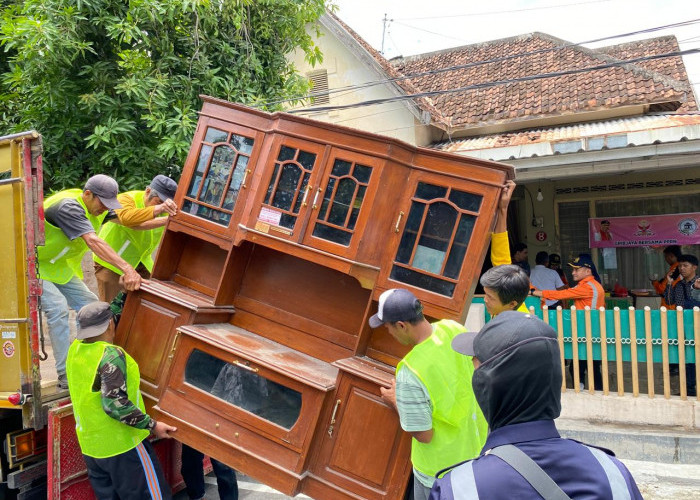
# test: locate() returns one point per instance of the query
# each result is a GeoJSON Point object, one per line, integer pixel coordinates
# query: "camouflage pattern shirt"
{"type": "Point", "coordinates": [111, 381]}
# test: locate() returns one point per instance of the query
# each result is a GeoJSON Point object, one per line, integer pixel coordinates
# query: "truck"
{"type": "Point", "coordinates": [252, 334]}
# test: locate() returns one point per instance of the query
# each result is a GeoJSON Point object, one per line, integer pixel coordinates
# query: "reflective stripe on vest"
{"type": "Point", "coordinates": [132, 245]}
{"type": "Point", "coordinates": [596, 296]}
{"type": "Point", "coordinates": [463, 483]}
{"type": "Point", "coordinates": [99, 435]}
{"type": "Point", "coordinates": [459, 427]}
{"type": "Point", "coordinates": [60, 258]}
{"type": "Point", "coordinates": [617, 482]}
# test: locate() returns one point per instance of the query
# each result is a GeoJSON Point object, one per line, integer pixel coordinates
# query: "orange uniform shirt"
{"type": "Point", "coordinates": [587, 292]}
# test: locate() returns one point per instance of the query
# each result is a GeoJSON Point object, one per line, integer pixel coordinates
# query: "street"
{"type": "Point", "coordinates": [248, 489]}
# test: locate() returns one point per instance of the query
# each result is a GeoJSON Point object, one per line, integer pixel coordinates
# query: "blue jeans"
{"type": "Point", "coordinates": [193, 473]}
{"type": "Point", "coordinates": [55, 301]}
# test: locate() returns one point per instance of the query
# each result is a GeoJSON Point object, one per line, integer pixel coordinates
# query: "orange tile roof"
{"type": "Point", "coordinates": [536, 54]}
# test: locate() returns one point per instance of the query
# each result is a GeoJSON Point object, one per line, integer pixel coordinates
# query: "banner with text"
{"type": "Point", "coordinates": [644, 230]}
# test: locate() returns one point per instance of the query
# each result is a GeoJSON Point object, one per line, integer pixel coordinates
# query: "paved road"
{"type": "Point", "coordinates": [248, 489]}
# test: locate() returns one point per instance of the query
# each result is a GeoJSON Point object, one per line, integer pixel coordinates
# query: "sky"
{"type": "Point", "coordinates": [420, 26]}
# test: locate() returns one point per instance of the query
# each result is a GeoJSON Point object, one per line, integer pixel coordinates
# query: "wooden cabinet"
{"type": "Point", "coordinates": [362, 449]}
{"type": "Point", "coordinates": [253, 337]}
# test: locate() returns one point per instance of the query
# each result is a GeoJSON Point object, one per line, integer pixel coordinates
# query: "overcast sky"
{"type": "Point", "coordinates": [419, 26]}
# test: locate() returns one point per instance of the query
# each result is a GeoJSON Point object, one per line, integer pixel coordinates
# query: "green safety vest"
{"type": "Point", "coordinates": [59, 258]}
{"type": "Point", "coordinates": [130, 244]}
{"type": "Point", "coordinates": [99, 435]}
{"type": "Point", "coordinates": [459, 427]}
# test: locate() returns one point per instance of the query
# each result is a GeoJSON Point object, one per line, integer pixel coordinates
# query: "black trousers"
{"type": "Point", "coordinates": [132, 475]}
{"type": "Point", "coordinates": [193, 474]}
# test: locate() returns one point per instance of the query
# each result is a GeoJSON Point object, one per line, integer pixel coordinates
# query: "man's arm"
{"type": "Point", "coordinates": [132, 279]}
{"type": "Point", "coordinates": [151, 224]}
{"type": "Point", "coordinates": [130, 216]}
{"type": "Point", "coordinates": [115, 400]}
{"type": "Point", "coordinates": [500, 247]}
{"type": "Point", "coordinates": [577, 292]}
{"type": "Point", "coordinates": [413, 405]}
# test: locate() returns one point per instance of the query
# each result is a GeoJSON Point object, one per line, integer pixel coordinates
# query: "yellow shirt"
{"type": "Point", "coordinates": [500, 255]}
{"type": "Point", "coordinates": [129, 215]}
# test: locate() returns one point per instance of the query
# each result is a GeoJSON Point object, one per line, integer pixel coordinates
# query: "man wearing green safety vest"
{"type": "Point", "coordinates": [72, 219]}
{"type": "Point", "coordinates": [136, 232]}
{"type": "Point", "coordinates": [432, 391]}
{"type": "Point", "coordinates": [110, 420]}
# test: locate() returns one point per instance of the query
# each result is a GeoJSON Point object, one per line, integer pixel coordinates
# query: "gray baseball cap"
{"type": "Point", "coordinates": [504, 332]}
{"type": "Point", "coordinates": [106, 189]}
{"type": "Point", "coordinates": [395, 305]}
{"type": "Point", "coordinates": [93, 320]}
{"type": "Point", "coordinates": [164, 187]}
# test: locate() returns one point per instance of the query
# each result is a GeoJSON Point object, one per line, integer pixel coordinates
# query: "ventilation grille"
{"type": "Point", "coordinates": [625, 187]}
{"type": "Point", "coordinates": [319, 87]}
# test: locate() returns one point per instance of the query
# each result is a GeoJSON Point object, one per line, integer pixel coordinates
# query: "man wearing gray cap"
{"type": "Point", "coordinates": [72, 219]}
{"type": "Point", "coordinates": [111, 423]}
{"type": "Point", "coordinates": [442, 416]}
{"type": "Point", "coordinates": [136, 232]}
{"type": "Point", "coordinates": [517, 382]}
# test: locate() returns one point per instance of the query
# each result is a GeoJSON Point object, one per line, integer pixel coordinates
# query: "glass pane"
{"type": "Point", "coordinates": [332, 234]}
{"type": "Point", "coordinates": [288, 221]}
{"type": "Point", "coordinates": [438, 227]}
{"type": "Point", "coordinates": [286, 154]}
{"type": "Point", "coordinates": [194, 185]}
{"type": "Point", "coordinates": [341, 168]}
{"type": "Point", "coordinates": [341, 203]}
{"type": "Point", "coordinates": [362, 173]}
{"type": "Point", "coordinates": [356, 206]}
{"type": "Point", "coordinates": [430, 192]}
{"type": "Point", "coordinates": [243, 388]}
{"type": "Point", "coordinates": [326, 198]}
{"type": "Point", "coordinates": [459, 247]}
{"type": "Point", "coordinates": [268, 196]}
{"type": "Point", "coordinates": [307, 160]}
{"type": "Point", "coordinates": [207, 213]}
{"type": "Point", "coordinates": [466, 201]}
{"type": "Point", "coordinates": [423, 281]}
{"type": "Point", "coordinates": [215, 135]}
{"type": "Point", "coordinates": [287, 186]}
{"type": "Point", "coordinates": [204, 155]}
{"type": "Point", "coordinates": [410, 232]}
{"type": "Point", "coordinates": [302, 188]}
{"type": "Point", "coordinates": [241, 144]}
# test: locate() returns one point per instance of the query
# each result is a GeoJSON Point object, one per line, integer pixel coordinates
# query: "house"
{"type": "Point", "coordinates": [606, 132]}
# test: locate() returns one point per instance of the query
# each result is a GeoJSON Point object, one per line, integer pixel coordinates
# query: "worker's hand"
{"type": "Point", "coordinates": [536, 293]}
{"type": "Point", "coordinates": [162, 429]}
{"type": "Point", "coordinates": [167, 207]}
{"type": "Point", "coordinates": [389, 393]}
{"type": "Point", "coordinates": [506, 195]}
{"type": "Point", "coordinates": [669, 277]}
{"type": "Point", "coordinates": [130, 280]}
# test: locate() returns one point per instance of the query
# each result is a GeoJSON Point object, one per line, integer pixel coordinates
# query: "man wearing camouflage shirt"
{"type": "Point", "coordinates": [111, 423]}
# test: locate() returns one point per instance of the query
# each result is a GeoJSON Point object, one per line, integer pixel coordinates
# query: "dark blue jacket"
{"type": "Point", "coordinates": [582, 472]}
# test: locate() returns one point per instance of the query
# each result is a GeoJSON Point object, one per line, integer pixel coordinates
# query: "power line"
{"type": "Point", "coordinates": [483, 85]}
{"type": "Point", "coordinates": [351, 88]}
{"type": "Point", "coordinates": [490, 13]}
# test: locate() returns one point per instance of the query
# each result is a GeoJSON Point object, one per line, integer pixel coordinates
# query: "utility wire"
{"type": "Point", "coordinates": [364, 85]}
{"type": "Point", "coordinates": [544, 7]}
{"type": "Point", "coordinates": [483, 85]}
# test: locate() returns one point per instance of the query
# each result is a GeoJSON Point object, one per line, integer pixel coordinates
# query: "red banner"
{"type": "Point", "coordinates": [644, 230]}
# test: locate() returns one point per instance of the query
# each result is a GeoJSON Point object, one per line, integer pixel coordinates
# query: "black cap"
{"type": "Point", "coordinates": [164, 187]}
{"type": "Point", "coordinates": [503, 332]}
{"type": "Point", "coordinates": [395, 305]}
{"type": "Point", "coordinates": [582, 261]}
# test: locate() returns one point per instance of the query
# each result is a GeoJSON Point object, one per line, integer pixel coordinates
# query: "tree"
{"type": "Point", "coordinates": [113, 85]}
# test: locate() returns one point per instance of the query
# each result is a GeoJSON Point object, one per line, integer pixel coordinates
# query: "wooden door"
{"type": "Point", "coordinates": [342, 202]}
{"type": "Point", "coordinates": [363, 452]}
{"type": "Point", "coordinates": [439, 243]}
{"type": "Point", "coordinates": [289, 187]}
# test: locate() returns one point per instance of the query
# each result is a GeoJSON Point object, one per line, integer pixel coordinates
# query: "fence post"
{"type": "Point", "coordinates": [664, 353]}
{"type": "Point", "coordinates": [574, 349]}
{"type": "Point", "coordinates": [618, 352]}
{"type": "Point", "coordinates": [560, 336]}
{"type": "Point", "coordinates": [696, 334]}
{"type": "Point", "coordinates": [650, 351]}
{"type": "Point", "coordinates": [604, 351]}
{"type": "Point", "coordinates": [680, 335]}
{"type": "Point", "coordinates": [589, 349]}
{"type": "Point", "coordinates": [633, 352]}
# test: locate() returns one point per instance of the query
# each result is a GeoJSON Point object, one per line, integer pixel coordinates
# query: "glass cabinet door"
{"type": "Point", "coordinates": [436, 233]}
{"type": "Point", "coordinates": [222, 169]}
{"type": "Point", "coordinates": [347, 186]}
{"type": "Point", "coordinates": [291, 186]}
